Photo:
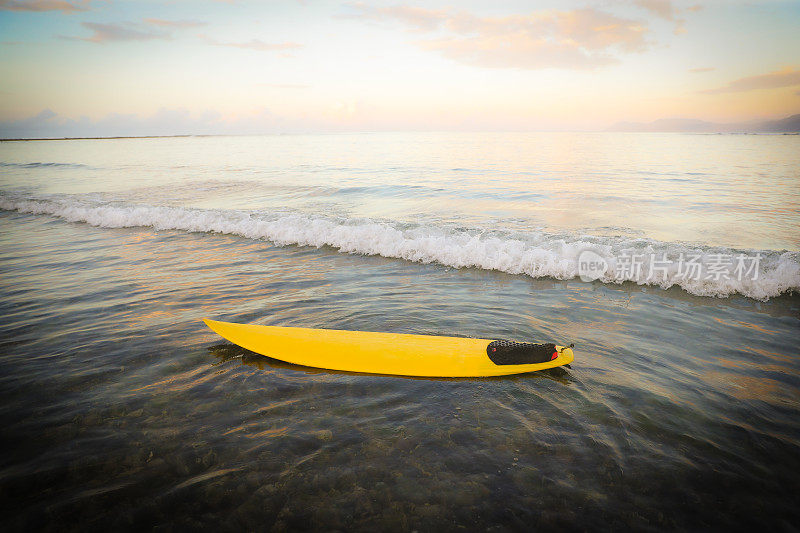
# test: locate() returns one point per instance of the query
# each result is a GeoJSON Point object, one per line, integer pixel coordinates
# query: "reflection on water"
{"type": "Point", "coordinates": [723, 190]}
{"type": "Point", "coordinates": [122, 410]}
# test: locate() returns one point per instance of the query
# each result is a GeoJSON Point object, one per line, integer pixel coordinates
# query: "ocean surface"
{"type": "Point", "coordinates": [672, 261]}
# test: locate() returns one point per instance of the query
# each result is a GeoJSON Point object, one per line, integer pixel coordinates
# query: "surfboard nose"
{"type": "Point", "coordinates": [214, 325]}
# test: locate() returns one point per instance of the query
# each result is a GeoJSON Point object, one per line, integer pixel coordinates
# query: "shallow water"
{"type": "Point", "coordinates": [121, 409]}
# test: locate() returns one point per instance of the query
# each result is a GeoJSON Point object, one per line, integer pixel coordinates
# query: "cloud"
{"type": "Point", "coordinates": [774, 80]}
{"type": "Point", "coordinates": [577, 39]}
{"type": "Point", "coordinates": [129, 31]}
{"type": "Point", "coordinates": [176, 24]}
{"type": "Point", "coordinates": [48, 124]}
{"type": "Point", "coordinates": [417, 18]}
{"type": "Point", "coordinates": [28, 127]}
{"type": "Point", "coordinates": [666, 9]}
{"type": "Point", "coordinates": [43, 5]}
{"type": "Point", "coordinates": [165, 122]}
{"type": "Point", "coordinates": [662, 8]}
{"type": "Point", "coordinates": [525, 52]}
{"type": "Point", "coordinates": [255, 44]}
{"type": "Point", "coordinates": [697, 70]}
{"type": "Point", "coordinates": [284, 85]}
{"type": "Point", "coordinates": [104, 33]}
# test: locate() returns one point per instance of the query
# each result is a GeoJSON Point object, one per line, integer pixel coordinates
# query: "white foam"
{"type": "Point", "coordinates": [534, 254]}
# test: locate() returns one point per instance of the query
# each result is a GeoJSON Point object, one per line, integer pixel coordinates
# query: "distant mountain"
{"type": "Point", "coordinates": [785, 125]}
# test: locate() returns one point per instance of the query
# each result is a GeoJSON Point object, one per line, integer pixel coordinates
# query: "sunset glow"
{"type": "Point", "coordinates": [144, 68]}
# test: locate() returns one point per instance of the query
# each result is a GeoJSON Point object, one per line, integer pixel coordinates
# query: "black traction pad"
{"type": "Point", "coordinates": [519, 353]}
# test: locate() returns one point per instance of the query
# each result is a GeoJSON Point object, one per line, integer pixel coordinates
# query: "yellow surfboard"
{"type": "Point", "coordinates": [394, 353]}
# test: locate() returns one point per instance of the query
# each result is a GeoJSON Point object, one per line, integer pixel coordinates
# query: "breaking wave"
{"type": "Point", "coordinates": [765, 274]}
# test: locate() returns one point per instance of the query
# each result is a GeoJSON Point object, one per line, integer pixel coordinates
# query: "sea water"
{"type": "Point", "coordinates": [672, 261]}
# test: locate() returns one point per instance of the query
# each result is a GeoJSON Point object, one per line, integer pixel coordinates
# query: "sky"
{"type": "Point", "coordinates": [146, 67]}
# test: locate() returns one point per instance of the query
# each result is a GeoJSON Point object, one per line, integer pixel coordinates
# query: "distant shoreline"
{"type": "Point", "coordinates": [100, 138]}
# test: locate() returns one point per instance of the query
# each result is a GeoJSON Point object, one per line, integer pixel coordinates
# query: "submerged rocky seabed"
{"type": "Point", "coordinates": [120, 409]}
